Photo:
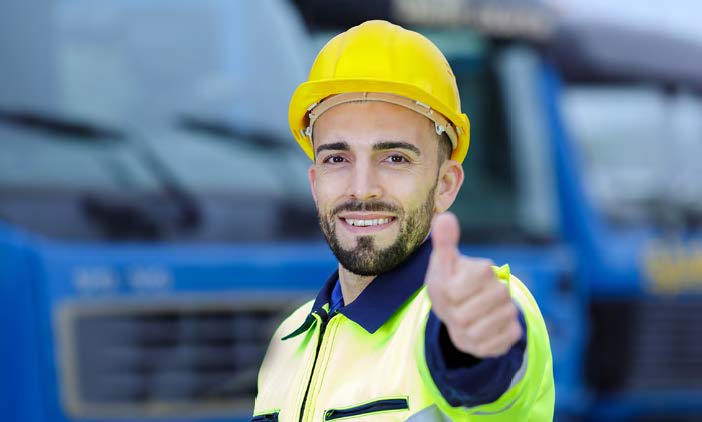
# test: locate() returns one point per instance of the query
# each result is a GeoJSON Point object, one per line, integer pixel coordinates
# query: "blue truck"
{"type": "Point", "coordinates": [156, 225]}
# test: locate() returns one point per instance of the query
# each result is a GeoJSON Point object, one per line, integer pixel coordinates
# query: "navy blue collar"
{"type": "Point", "coordinates": [383, 296]}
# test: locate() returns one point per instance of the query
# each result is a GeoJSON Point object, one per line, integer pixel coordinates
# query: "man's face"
{"type": "Point", "coordinates": [374, 181]}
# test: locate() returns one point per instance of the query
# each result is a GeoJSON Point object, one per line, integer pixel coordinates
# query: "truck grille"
{"type": "Point", "coordinates": [647, 345]}
{"type": "Point", "coordinates": [127, 360]}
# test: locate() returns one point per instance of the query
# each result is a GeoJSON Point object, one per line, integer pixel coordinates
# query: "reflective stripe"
{"type": "Point", "coordinates": [515, 380]}
{"type": "Point", "coordinates": [374, 365]}
{"type": "Point", "coordinates": [522, 369]}
{"type": "Point", "coordinates": [507, 407]}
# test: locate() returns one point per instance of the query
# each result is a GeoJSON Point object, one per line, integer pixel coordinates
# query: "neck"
{"type": "Point", "coordinates": [352, 284]}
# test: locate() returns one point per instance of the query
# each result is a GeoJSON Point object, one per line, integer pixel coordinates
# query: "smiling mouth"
{"type": "Point", "coordinates": [368, 223]}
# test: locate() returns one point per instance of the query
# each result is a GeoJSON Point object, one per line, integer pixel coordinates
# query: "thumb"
{"type": "Point", "coordinates": [445, 234]}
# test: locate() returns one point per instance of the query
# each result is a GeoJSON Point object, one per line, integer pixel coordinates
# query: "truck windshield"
{"type": "Point", "coordinates": [639, 149]}
{"type": "Point", "coordinates": [165, 122]}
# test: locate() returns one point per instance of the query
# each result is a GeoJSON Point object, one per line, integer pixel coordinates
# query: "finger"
{"type": "Point", "coordinates": [445, 234]}
{"type": "Point", "coordinates": [500, 343]}
{"type": "Point", "coordinates": [471, 276]}
{"type": "Point", "coordinates": [479, 304]}
{"type": "Point", "coordinates": [494, 322]}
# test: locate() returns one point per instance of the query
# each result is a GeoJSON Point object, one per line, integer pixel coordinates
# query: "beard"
{"type": "Point", "coordinates": [366, 259]}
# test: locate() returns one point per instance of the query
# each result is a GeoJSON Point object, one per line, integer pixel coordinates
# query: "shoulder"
{"type": "Point", "coordinates": [289, 324]}
{"type": "Point", "coordinates": [521, 294]}
{"type": "Point", "coordinates": [294, 320]}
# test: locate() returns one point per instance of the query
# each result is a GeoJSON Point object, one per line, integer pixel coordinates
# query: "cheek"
{"type": "Point", "coordinates": [328, 190]}
{"type": "Point", "coordinates": [410, 189]}
{"type": "Point", "coordinates": [408, 183]}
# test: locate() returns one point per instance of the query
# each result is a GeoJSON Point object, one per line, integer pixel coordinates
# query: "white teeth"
{"type": "Point", "coordinates": [366, 223]}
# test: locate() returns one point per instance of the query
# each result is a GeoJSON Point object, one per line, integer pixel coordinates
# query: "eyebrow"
{"type": "Point", "coordinates": [381, 146]}
{"type": "Point", "coordinates": [334, 146]}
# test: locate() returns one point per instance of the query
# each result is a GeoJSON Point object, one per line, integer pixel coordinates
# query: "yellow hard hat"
{"type": "Point", "coordinates": [377, 58]}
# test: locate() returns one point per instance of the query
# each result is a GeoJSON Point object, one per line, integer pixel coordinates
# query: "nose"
{"type": "Point", "coordinates": [365, 183]}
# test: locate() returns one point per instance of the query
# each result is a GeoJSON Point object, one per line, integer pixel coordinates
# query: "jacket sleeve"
{"type": "Point", "coordinates": [529, 396]}
{"type": "Point", "coordinates": [463, 379]}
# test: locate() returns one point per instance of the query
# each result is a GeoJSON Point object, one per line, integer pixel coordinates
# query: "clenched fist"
{"type": "Point", "coordinates": [476, 308]}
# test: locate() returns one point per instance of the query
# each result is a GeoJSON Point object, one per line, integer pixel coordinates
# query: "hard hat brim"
{"type": "Point", "coordinates": [310, 93]}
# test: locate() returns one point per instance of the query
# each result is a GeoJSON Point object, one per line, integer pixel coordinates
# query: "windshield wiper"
{"type": "Point", "coordinates": [230, 132]}
{"type": "Point", "coordinates": [59, 126]}
{"type": "Point", "coordinates": [118, 217]}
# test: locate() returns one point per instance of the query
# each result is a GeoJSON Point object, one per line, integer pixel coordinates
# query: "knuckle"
{"type": "Point", "coordinates": [472, 335]}
{"type": "Point", "coordinates": [479, 350]}
{"type": "Point", "coordinates": [440, 314]}
{"type": "Point", "coordinates": [513, 334]}
{"type": "Point", "coordinates": [466, 261]}
{"type": "Point", "coordinates": [484, 350]}
{"type": "Point", "coordinates": [459, 341]}
{"type": "Point", "coordinates": [485, 269]}
{"type": "Point", "coordinates": [455, 296]}
{"type": "Point", "coordinates": [480, 266]}
{"type": "Point", "coordinates": [486, 262]}
{"type": "Point", "coordinates": [502, 350]}
{"type": "Point", "coordinates": [512, 312]}
{"type": "Point", "coordinates": [450, 313]}
{"type": "Point", "coordinates": [462, 319]}
{"type": "Point", "coordinates": [502, 293]}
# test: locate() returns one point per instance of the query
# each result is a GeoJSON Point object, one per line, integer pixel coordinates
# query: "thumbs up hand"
{"type": "Point", "coordinates": [466, 296]}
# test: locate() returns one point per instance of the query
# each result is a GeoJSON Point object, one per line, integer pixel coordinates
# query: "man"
{"type": "Point", "coordinates": [407, 328]}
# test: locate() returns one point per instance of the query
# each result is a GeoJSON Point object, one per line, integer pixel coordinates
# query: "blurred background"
{"type": "Point", "coordinates": [156, 223]}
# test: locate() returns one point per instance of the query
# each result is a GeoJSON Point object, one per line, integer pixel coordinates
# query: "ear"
{"type": "Point", "coordinates": [450, 180]}
{"type": "Point", "coordinates": [313, 182]}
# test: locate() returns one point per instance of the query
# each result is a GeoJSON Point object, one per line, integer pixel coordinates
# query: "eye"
{"type": "Point", "coordinates": [397, 159]}
{"type": "Point", "coordinates": [334, 159]}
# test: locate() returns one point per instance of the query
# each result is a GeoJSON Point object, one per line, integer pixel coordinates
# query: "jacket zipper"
{"type": "Point", "coordinates": [325, 320]}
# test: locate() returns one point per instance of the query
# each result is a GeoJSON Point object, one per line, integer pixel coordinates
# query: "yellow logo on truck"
{"type": "Point", "coordinates": [674, 267]}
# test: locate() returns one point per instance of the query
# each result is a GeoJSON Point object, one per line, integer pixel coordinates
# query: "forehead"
{"type": "Point", "coordinates": [364, 123]}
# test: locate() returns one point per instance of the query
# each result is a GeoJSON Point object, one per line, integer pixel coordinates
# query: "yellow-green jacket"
{"type": "Point", "coordinates": [367, 361]}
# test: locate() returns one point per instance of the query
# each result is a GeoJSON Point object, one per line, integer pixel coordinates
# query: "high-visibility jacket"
{"type": "Point", "coordinates": [366, 362]}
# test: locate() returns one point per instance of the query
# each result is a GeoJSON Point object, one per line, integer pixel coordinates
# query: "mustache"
{"type": "Point", "coordinates": [366, 206]}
